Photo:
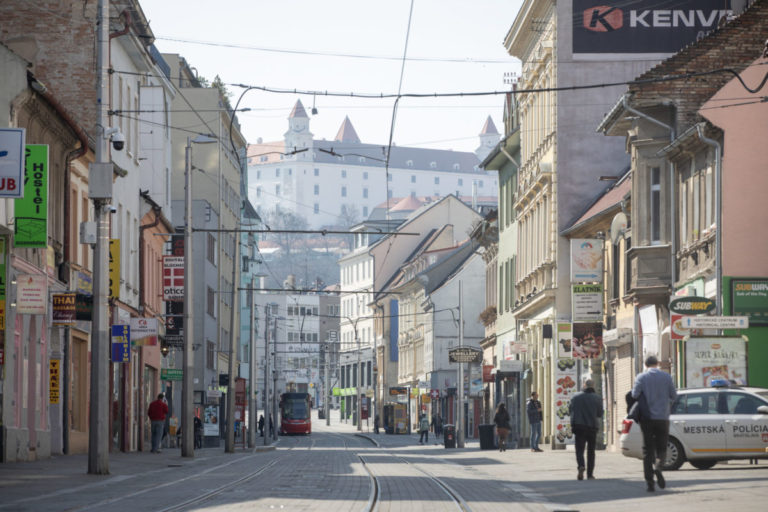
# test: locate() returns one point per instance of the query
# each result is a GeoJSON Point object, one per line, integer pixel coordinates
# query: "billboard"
{"type": "Point", "coordinates": [642, 26]}
{"type": "Point", "coordinates": [749, 297]}
{"type": "Point", "coordinates": [715, 358]}
{"type": "Point", "coordinates": [586, 260]}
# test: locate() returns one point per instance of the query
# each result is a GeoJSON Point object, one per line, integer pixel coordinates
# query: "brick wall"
{"type": "Point", "coordinates": [735, 45]}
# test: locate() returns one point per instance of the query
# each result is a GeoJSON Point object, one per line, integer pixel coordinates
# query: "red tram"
{"type": "Point", "coordinates": [295, 413]}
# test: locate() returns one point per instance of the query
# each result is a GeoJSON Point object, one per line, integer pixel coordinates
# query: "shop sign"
{"type": "Point", "coordinates": [171, 374]}
{"type": "Point", "coordinates": [173, 278]}
{"type": "Point", "coordinates": [510, 365]}
{"type": "Point", "coordinates": [715, 358]}
{"type": "Point", "coordinates": [401, 390]}
{"type": "Point", "coordinates": [586, 260]}
{"type": "Point", "coordinates": [64, 308]}
{"type": "Point", "coordinates": [487, 373]}
{"type": "Point", "coordinates": [692, 305]}
{"type": "Point", "coordinates": [83, 306]}
{"type": "Point", "coordinates": [12, 144]}
{"type": "Point", "coordinates": [749, 297]}
{"type": "Point", "coordinates": [121, 343]}
{"type": "Point", "coordinates": [31, 224]}
{"type": "Point", "coordinates": [434, 394]}
{"type": "Point", "coordinates": [587, 302]}
{"type": "Point", "coordinates": [211, 419]}
{"type": "Point", "coordinates": [31, 294]}
{"type": "Point", "coordinates": [587, 342]}
{"type": "Point", "coordinates": [564, 340]}
{"type": "Point", "coordinates": [55, 380]}
{"type": "Point", "coordinates": [114, 268]}
{"type": "Point", "coordinates": [465, 355]}
{"type": "Point", "coordinates": [143, 331]}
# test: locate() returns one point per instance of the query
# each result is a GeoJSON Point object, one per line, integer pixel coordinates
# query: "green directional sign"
{"type": "Point", "coordinates": [171, 374]}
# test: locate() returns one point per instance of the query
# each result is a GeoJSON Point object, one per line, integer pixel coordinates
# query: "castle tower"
{"type": "Point", "coordinates": [489, 137]}
{"type": "Point", "coordinates": [298, 135]}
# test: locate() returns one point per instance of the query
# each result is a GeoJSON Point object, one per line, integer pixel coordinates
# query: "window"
{"type": "Point", "coordinates": [365, 212]}
{"type": "Point", "coordinates": [413, 178]}
{"type": "Point", "coordinates": [277, 190]}
{"type": "Point", "coordinates": [210, 354]}
{"type": "Point", "coordinates": [437, 180]}
{"type": "Point", "coordinates": [258, 174]}
{"type": "Point", "coordinates": [389, 194]}
{"type": "Point", "coordinates": [365, 193]}
{"type": "Point", "coordinates": [258, 191]}
{"type": "Point", "coordinates": [277, 172]}
{"type": "Point", "coordinates": [389, 177]}
{"type": "Point", "coordinates": [433, 165]}
{"type": "Point", "coordinates": [480, 185]}
{"type": "Point", "coordinates": [696, 403]}
{"type": "Point", "coordinates": [409, 163]}
{"type": "Point", "coordinates": [461, 182]}
{"type": "Point", "coordinates": [290, 172]}
{"type": "Point", "coordinates": [316, 209]}
{"type": "Point", "coordinates": [741, 403]}
{"type": "Point", "coordinates": [343, 191]}
{"type": "Point", "coordinates": [365, 175]}
{"type": "Point", "coordinates": [211, 249]}
{"type": "Point", "coordinates": [317, 172]}
{"type": "Point", "coordinates": [343, 173]}
{"type": "Point", "coordinates": [210, 302]}
{"type": "Point", "coordinates": [655, 205]}
{"type": "Point", "coordinates": [317, 190]}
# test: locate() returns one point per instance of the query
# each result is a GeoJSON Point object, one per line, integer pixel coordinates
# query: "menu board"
{"type": "Point", "coordinates": [565, 386]}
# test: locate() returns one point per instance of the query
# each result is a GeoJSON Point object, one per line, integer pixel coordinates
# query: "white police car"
{"type": "Point", "coordinates": [708, 425]}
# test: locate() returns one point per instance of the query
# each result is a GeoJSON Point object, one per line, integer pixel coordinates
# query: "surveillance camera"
{"type": "Point", "coordinates": [108, 208]}
{"type": "Point", "coordinates": [118, 141]}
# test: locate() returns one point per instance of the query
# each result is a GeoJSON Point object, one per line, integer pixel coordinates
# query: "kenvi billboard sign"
{"type": "Point", "coordinates": [643, 26]}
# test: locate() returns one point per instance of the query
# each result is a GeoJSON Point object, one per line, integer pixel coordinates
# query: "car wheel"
{"type": "Point", "coordinates": [675, 455]}
{"type": "Point", "coordinates": [703, 464]}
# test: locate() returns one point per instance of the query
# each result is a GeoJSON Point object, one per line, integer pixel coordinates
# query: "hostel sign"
{"type": "Point", "coordinates": [32, 210]}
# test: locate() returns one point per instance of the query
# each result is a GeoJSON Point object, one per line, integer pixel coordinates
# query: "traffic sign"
{"type": "Point", "coordinates": [465, 355]}
{"type": "Point", "coordinates": [716, 322]}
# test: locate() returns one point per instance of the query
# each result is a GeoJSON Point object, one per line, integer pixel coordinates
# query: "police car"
{"type": "Point", "coordinates": [707, 425]}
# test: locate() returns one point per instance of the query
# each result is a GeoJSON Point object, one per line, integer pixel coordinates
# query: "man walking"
{"type": "Point", "coordinates": [423, 429]}
{"type": "Point", "coordinates": [585, 409]}
{"type": "Point", "coordinates": [656, 392]}
{"type": "Point", "coordinates": [533, 408]}
{"type": "Point", "coordinates": [157, 412]}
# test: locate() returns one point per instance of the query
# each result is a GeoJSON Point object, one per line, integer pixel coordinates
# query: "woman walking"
{"type": "Point", "coordinates": [502, 426]}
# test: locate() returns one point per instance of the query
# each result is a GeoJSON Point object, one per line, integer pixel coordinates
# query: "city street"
{"type": "Point", "coordinates": [336, 469]}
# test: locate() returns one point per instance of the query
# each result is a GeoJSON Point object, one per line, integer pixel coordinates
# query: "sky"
{"type": "Point", "coordinates": [350, 47]}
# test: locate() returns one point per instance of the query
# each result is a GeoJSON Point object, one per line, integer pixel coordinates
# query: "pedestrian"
{"type": "Point", "coordinates": [502, 426]}
{"type": "Point", "coordinates": [261, 425]}
{"type": "Point", "coordinates": [585, 409]}
{"type": "Point", "coordinates": [198, 432]}
{"type": "Point", "coordinates": [533, 408]}
{"type": "Point", "coordinates": [157, 412]}
{"type": "Point", "coordinates": [424, 429]}
{"type": "Point", "coordinates": [655, 391]}
{"type": "Point", "coordinates": [376, 424]}
{"type": "Point", "coordinates": [271, 427]}
{"type": "Point", "coordinates": [439, 425]}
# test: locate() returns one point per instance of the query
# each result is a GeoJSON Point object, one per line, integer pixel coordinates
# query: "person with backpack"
{"type": "Point", "coordinates": [423, 429]}
{"type": "Point", "coordinates": [502, 426]}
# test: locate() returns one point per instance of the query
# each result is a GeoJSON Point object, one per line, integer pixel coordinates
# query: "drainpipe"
{"type": "Point", "coordinates": [718, 216]}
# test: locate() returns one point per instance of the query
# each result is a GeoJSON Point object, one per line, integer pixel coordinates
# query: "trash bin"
{"type": "Point", "coordinates": [449, 435]}
{"type": "Point", "coordinates": [486, 436]}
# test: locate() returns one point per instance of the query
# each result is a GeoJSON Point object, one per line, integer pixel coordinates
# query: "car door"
{"type": "Point", "coordinates": [695, 422]}
{"type": "Point", "coordinates": [746, 429]}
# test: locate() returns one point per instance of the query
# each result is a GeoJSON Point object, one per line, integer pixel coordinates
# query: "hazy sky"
{"type": "Point", "coordinates": [456, 46]}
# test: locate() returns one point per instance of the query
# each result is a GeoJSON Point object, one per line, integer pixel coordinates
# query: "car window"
{"type": "Point", "coordinates": [696, 403]}
{"type": "Point", "coordinates": [741, 403]}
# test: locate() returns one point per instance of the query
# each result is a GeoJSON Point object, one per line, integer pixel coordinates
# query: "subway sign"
{"type": "Point", "coordinates": [643, 26]}
{"type": "Point", "coordinates": [691, 305]}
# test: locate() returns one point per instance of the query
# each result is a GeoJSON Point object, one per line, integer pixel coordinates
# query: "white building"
{"type": "Point", "coordinates": [341, 181]}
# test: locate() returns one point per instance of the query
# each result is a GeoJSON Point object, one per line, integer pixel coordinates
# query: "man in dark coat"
{"type": "Point", "coordinates": [586, 409]}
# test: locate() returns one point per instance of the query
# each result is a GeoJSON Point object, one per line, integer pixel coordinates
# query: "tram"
{"type": "Point", "coordinates": [295, 413]}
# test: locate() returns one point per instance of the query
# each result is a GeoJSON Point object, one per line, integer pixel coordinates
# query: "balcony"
{"type": "Point", "coordinates": [650, 272]}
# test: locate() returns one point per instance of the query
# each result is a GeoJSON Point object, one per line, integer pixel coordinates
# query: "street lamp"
{"type": "Point", "coordinates": [187, 420]}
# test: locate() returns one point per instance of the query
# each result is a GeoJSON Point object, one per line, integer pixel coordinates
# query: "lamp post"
{"type": "Point", "coordinates": [187, 420]}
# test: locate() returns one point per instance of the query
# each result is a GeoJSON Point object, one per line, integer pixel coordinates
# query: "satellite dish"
{"type": "Point", "coordinates": [618, 227]}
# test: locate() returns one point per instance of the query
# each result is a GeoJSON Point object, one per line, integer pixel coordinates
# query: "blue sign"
{"type": "Point", "coordinates": [121, 343]}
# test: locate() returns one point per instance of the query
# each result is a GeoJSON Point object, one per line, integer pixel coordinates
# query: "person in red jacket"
{"type": "Point", "coordinates": [157, 412]}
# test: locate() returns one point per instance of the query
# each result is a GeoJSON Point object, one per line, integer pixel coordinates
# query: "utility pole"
{"type": "Point", "coordinates": [327, 384]}
{"type": "Point", "coordinates": [357, 382]}
{"type": "Point", "coordinates": [266, 372]}
{"type": "Point", "coordinates": [274, 380]}
{"type": "Point", "coordinates": [233, 335]}
{"type": "Point", "coordinates": [101, 193]}
{"type": "Point", "coordinates": [252, 369]}
{"type": "Point", "coordinates": [460, 423]}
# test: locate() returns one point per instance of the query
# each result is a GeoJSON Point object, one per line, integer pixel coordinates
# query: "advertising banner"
{"type": "Point", "coordinates": [173, 278]}
{"type": "Point", "coordinates": [678, 331]}
{"type": "Point", "coordinates": [12, 143]}
{"type": "Point", "coordinates": [121, 343]}
{"type": "Point", "coordinates": [211, 420]}
{"type": "Point", "coordinates": [749, 297]}
{"type": "Point", "coordinates": [31, 294]}
{"type": "Point", "coordinates": [174, 324]}
{"type": "Point", "coordinates": [565, 387]}
{"type": "Point", "coordinates": [564, 340]}
{"type": "Point", "coordinates": [586, 260]}
{"type": "Point", "coordinates": [114, 268]}
{"type": "Point", "coordinates": [642, 26]}
{"type": "Point", "coordinates": [64, 308]}
{"type": "Point", "coordinates": [715, 358]}
{"type": "Point", "coordinates": [587, 302]}
{"type": "Point", "coordinates": [588, 341]}
{"type": "Point", "coordinates": [475, 380]}
{"type": "Point", "coordinates": [31, 225]}
{"type": "Point", "coordinates": [143, 331]}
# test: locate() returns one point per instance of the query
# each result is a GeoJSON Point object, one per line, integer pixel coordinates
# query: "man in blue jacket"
{"type": "Point", "coordinates": [658, 392]}
{"type": "Point", "coordinates": [533, 408]}
{"type": "Point", "coordinates": [586, 409]}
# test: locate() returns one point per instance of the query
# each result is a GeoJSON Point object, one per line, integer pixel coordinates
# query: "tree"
{"type": "Point", "coordinates": [279, 220]}
{"type": "Point", "coordinates": [349, 216]}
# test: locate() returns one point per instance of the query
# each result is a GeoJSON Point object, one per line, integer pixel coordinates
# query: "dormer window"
{"type": "Point", "coordinates": [362, 159]}
{"type": "Point", "coordinates": [433, 165]}
{"type": "Point", "coordinates": [409, 163]}
{"type": "Point", "coordinates": [456, 167]}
